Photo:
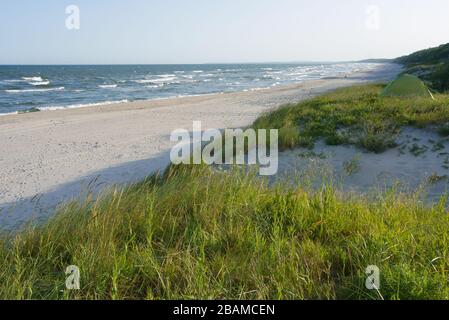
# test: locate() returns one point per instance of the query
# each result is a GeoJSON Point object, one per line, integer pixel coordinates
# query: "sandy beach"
{"type": "Point", "coordinates": [50, 157]}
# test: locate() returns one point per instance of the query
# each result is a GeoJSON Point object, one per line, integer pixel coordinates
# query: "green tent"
{"type": "Point", "coordinates": [407, 85]}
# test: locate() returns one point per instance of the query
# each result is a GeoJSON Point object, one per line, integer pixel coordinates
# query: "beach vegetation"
{"type": "Point", "coordinates": [198, 233]}
{"type": "Point", "coordinates": [358, 116]}
{"type": "Point", "coordinates": [352, 166]}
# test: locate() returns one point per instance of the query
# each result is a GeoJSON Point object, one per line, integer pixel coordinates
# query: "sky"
{"type": "Point", "coordinates": [217, 31]}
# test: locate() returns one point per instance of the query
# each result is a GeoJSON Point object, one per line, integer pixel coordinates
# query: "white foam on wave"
{"type": "Point", "coordinates": [13, 81]}
{"type": "Point", "coordinates": [258, 89]}
{"type": "Point", "coordinates": [165, 79]}
{"type": "Point", "coordinates": [143, 81]}
{"type": "Point", "coordinates": [40, 83]}
{"type": "Point", "coordinates": [75, 106]}
{"type": "Point", "coordinates": [9, 113]}
{"type": "Point", "coordinates": [107, 86]}
{"type": "Point", "coordinates": [34, 79]}
{"type": "Point", "coordinates": [35, 90]}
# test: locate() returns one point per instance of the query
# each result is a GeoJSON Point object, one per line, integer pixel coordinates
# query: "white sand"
{"type": "Point", "coordinates": [421, 155]}
{"type": "Point", "coordinates": [52, 156]}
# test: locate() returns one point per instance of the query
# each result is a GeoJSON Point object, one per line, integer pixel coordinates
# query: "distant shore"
{"type": "Point", "coordinates": [52, 156]}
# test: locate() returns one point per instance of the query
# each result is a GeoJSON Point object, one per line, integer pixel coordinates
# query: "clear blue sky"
{"type": "Point", "coordinates": [201, 31]}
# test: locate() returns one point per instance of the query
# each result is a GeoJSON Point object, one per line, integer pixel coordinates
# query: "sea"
{"type": "Point", "coordinates": [39, 88]}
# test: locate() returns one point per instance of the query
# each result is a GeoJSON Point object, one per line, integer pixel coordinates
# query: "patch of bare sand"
{"type": "Point", "coordinates": [420, 162]}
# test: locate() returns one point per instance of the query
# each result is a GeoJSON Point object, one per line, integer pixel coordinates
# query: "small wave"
{"type": "Point", "coordinates": [9, 113]}
{"type": "Point", "coordinates": [75, 106]}
{"type": "Point", "coordinates": [163, 80]}
{"type": "Point", "coordinates": [275, 72]}
{"type": "Point", "coordinates": [259, 88]}
{"type": "Point", "coordinates": [13, 81]}
{"type": "Point", "coordinates": [34, 79]}
{"type": "Point", "coordinates": [40, 83]}
{"type": "Point", "coordinates": [143, 81]}
{"type": "Point", "coordinates": [198, 71]}
{"type": "Point", "coordinates": [107, 86]}
{"type": "Point", "coordinates": [35, 90]}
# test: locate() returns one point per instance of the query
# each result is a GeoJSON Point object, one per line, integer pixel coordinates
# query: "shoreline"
{"type": "Point", "coordinates": [61, 155]}
{"type": "Point", "coordinates": [137, 103]}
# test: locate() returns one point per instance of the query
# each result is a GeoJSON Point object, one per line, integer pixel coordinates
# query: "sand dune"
{"type": "Point", "coordinates": [52, 156]}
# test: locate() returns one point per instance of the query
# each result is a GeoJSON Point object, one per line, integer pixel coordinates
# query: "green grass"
{"type": "Point", "coordinates": [200, 233]}
{"type": "Point", "coordinates": [407, 85]}
{"type": "Point", "coordinates": [358, 116]}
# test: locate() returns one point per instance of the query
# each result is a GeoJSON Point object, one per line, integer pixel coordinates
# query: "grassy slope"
{"type": "Point", "coordinates": [198, 233]}
{"type": "Point", "coordinates": [356, 115]}
{"type": "Point", "coordinates": [431, 65]}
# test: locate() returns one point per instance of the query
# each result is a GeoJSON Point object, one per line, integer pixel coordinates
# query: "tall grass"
{"type": "Point", "coordinates": [196, 232]}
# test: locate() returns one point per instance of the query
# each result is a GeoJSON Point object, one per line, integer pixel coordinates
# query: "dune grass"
{"type": "Point", "coordinates": [357, 116]}
{"type": "Point", "coordinates": [196, 232]}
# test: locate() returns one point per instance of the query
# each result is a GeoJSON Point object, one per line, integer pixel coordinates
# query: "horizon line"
{"type": "Point", "coordinates": [202, 63]}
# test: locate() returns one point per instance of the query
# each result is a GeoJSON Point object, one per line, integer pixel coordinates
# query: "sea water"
{"type": "Point", "coordinates": [24, 88]}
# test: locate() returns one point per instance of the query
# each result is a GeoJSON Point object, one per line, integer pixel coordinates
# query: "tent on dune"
{"type": "Point", "coordinates": [407, 85]}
